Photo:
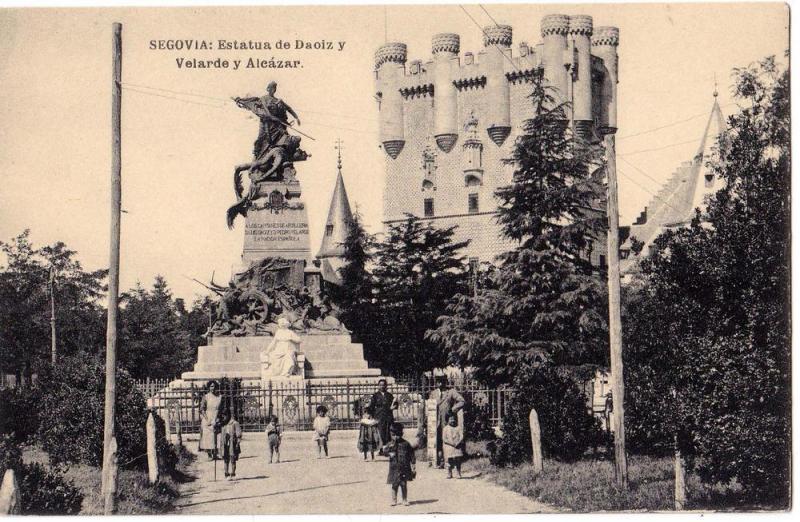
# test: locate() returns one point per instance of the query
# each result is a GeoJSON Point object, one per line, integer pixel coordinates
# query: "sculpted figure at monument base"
{"type": "Point", "coordinates": [280, 359]}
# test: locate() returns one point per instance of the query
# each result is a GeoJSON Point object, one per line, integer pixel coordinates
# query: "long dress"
{"type": "Point", "coordinates": [453, 441]}
{"type": "Point", "coordinates": [209, 409]}
{"type": "Point", "coordinates": [368, 437]}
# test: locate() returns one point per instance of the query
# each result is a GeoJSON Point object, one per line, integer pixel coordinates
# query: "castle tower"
{"type": "Point", "coordinates": [337, 228]}
{"type": "Point", "coordinates": [497, 46]}
{"type": "Point", "coordinates": [390, 60]}
{"type": "Point", "coordinates": [449, 122]}
{"type": "Point", "coordinates": [445, 47]}
{"type": "Point", "coordinates": [686, 190]}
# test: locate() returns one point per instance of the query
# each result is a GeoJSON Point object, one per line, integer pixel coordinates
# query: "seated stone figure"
{"type": "Point", "coordinates": [280, 357]}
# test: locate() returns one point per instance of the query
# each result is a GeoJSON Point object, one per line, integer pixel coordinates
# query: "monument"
{"type": "Point", "coordinates": [273, 320]}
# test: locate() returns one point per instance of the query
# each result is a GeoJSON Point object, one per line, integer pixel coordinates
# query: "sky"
{"type": "Point", "coordinates": [181, 136]}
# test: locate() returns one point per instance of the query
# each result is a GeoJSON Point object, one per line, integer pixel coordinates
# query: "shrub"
{"type": "Point", "coordinates": [73, 407]}
{"type": "Point", "coordinates": [10, 454]}
{"type": "Point", "coordinates": [567, 428]}
{"type": "Point", "coordinates": [477, 419]}
{"type": "Point", "coordinates": [44, 492]}
{"type": "Point", "coordinates": [19, 415]}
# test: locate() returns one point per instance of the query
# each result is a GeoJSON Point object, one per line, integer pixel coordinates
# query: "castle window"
{"type": "Point", "coordinates": [428, 207]}
{"type": "Point", "coordinates": [473, 204]}
{"type": "Point", "coordinates": [602, 261]}
{"type": "Point", "coordinates": [328, 230]}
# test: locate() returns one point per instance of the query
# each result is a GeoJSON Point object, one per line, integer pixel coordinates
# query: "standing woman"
{"type": "Point", "coordinates": [209, 413]}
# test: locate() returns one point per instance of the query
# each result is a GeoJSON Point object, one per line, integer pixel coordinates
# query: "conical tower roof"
{"type": "Point", "coordinates": [340, 219]}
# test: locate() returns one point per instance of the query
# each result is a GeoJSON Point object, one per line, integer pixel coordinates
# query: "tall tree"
{"type": "Point", "coordinates": [354, 296]}
{"type": "Point", "coordinates": [417, 270]}
{"type": "Point", "coordinates": [153, 341]}
{"type": "Point", "coordinates": [545, 301]}
{"type": "Point", "coordinates": [25, 309]}
{"type": "Point", "coordinates": [714, 308]}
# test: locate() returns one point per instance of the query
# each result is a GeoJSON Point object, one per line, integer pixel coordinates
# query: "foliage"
{"type": "Point", "coordinates": [154, 341]}
{"type": "Point", "coordinates": [47, 492]}
{"type": "Point", "coordinates": [711, 317]}
{"type": "Point", "coordinates": [22, 427]}
{"type": "Point", "coordinates": [567, 428]}
{"type": "Point", "coordinates": [25, 304]}
{"type": "Point", "coordinates": [354, 295]}
{"type": "Point", "coordinates": [10, 454]}
{"type": "Point", "coordinates": [74, 409]}
{"type": "Point", "coordinates": [477, 420]}
{"type": "Point", "coordinates": [545, 301]}
{"type": "Point", "coordinates": [417, 270]}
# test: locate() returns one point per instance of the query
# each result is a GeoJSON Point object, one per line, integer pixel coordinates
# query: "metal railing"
{"type": "Point", "coordinates": [295, 404]}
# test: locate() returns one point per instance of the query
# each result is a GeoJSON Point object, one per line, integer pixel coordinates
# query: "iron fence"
{"type": "Point", "coordinates": [295, 404]}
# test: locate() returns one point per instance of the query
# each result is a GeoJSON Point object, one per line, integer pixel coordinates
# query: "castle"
{"type": "Point", "coordinates": [448, 124]}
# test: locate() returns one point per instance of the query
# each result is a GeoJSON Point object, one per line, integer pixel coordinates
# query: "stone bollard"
{"type": "Point", "coordinates": [536, 442]}
{"type": "Point", "coordinates": [152, 454]}
{"type": "Point", "coordinates": [430, 420]}
{"type": "Point", "coordinates": [9, 495]}
{"type": "Point", "coordinates": [680, 481]}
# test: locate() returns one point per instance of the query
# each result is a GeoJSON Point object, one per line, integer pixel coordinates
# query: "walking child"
{"type": "Point", "coordinates": [402, 463]}
{"type": "Point", "coordinates": [453, 439]}
{"type": "Point", "coordinates": [322, 426]}
{"type": "Point", "coordinates": [231, 445]}
{"type": "Point", "coordinates": [274, 438]}
{"type": "Point", "coordinates": [369, 439]}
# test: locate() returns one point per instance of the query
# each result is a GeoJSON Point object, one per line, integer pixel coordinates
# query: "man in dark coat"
{"type": "Point", "coordinates": [384, 405]}
{"type": "Point", "coordinates": [448, 402]}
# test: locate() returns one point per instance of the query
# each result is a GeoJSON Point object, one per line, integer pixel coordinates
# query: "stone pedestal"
{"type": "Point", "coordinates": [277, 226]}
{"type": "Point", "coordinates": [328, 357]}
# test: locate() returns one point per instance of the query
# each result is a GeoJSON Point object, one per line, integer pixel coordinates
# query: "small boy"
{"type": "Point", "coordinates": [402, 463]}
{"type": "Point", "coordinates": [231, 445]}
{"type": "Point", "coordinates": [274, 438]}
{"type": "Point", "coordinates": [322, 426]}
{"type": "Point", "coordinates": [453, 440]}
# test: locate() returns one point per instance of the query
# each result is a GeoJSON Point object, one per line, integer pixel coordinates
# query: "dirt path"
{"type": "Point", "coordinates": [341, 484]}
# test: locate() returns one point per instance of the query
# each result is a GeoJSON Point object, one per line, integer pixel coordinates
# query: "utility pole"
{"type": "Point", "coordinates": [614, 316]}
{"type": "Point", "coordinates": [52, 287]}
{"type": "Point", "coordinates": [109, 481]}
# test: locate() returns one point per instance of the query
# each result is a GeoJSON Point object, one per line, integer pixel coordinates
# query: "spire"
{"type": "Point", "coordinates": [340, 217]}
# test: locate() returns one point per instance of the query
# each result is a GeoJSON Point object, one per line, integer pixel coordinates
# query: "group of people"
{"type": "Point", "coordinates": [377, 432]}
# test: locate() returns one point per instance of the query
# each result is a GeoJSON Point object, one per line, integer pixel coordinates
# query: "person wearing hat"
{"type": "Point", "coordinates": [272, 112]}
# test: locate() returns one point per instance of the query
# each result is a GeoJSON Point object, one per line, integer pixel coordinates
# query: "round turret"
{"type": "Point", "coordinates": [497, 35]}
{"type": "Point", "coordinates": [606, 36]}
{"type": "Point", "coordinates": [394, 52]}
{"type": "Point", "coordinates": [555, 24]}
{"type": "Point", "coordinates": [449, 43]}
{"type": "Point", "coordinates": [580, 24]}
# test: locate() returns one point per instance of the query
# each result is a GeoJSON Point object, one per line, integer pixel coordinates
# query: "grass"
{"type": "Point", "coordinates": [135, 494]}
{"type": "Point", "coordinates": [588, 485]}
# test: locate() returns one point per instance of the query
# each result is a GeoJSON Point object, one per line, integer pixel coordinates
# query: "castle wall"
{"type": "Point", "coordinates": [426, 161]}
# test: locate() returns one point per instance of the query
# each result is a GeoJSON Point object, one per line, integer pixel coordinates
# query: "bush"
{"type": "Point", "coordinates": [10, 454]}
{"type": "Point", "coordinates": [44, 492]}
{"type": "Point", "coordinates": [477, 420]}
{"type": "Point", "coordinates": [567, 428]}
{"type": "Point", "coordinates": [19, 415]}
{"type": "Point", "coordinates": [74, 408]}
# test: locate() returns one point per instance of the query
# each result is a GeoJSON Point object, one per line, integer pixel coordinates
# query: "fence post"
{"type": "Point", "coordinates": [680, 480]}
{"type": "Point", "coordinates": [536, 442]}
{"type": "Point", "coordinates": [152, 456]}
{"type": "Point", "coordinates": [9, 494]}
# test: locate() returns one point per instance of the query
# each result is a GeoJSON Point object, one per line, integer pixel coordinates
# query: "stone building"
{"type": "Point", "coordinates": [337, 227]}
{"type": "Point", "coordinates": [447, 124]}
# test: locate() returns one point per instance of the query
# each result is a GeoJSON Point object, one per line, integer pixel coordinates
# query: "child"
{"type": "Point", "coordinates": [322, 426]}
{"type": "Point", "coordinates": [453, 439]}
{"type": "Point", "coordinates": [274, 438]}
{"type": "Point", "coordinates": [231, 447]}
{"type": "Point", "coordinates": [368, 437]}
{"type": "Point", "coordinates": [402, 463]}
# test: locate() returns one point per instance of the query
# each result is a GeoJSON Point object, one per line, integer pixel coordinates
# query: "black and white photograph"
{"type": "Point", "coordinates": [455, 259]}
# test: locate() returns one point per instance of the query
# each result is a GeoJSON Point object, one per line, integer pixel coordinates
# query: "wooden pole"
{"type": "Point", "coordinates": [53, 352]}
{"type": "Point", "coordinates": [680, 480]}
{"type": "Point", "coordinates": [614, 319]}
{"type": "Point", "coordinates": [109, 481]}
